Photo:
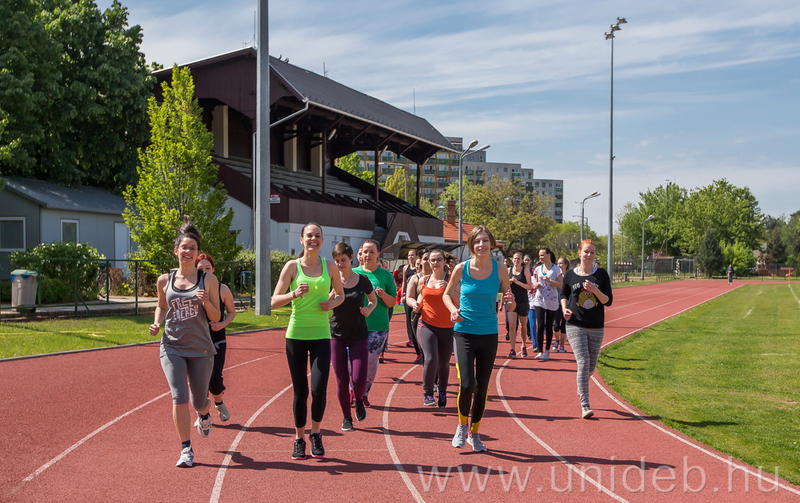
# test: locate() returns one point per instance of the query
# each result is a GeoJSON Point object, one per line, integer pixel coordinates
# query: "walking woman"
{"type": "Point", "coordinates": [187, 299]}
{"type": "Point", "coordinates": [308, 335]}
{"type": "Point", "coordinates": [227, 313]}
{"type": "Point", "coordinates": [435, 330]}
{"type": "Point", "coordinates": [520, 278]}
{"type": "Point", "coordinates": [528, 262]}
{"type": "Point", "coordinates": [349, 335]}
{"type": "Point", "coordinates": [423, 269]}
{"type": "Point", "coordinates": [470, 297]}
{"type": "Point", "coordinates": [378, 321]}
{"type": "Point", "coordinates": [559, 325]}
{"type": "Point", "coordinates": [408, 272]}
{"type": "Point", "coordinates": [584, 296]}
{"type": "Point", "coordinates": [548, 283]}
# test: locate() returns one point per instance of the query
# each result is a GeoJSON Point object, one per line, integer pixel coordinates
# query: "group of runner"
{"type": "Point", "coordinates": [340, 318]}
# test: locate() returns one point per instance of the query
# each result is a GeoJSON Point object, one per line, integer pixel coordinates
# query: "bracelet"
{"type": "Point", "coordinates": [294, 294]}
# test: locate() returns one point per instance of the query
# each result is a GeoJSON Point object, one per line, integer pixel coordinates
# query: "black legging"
{"type": "Point", "coordinates": [544, 320]}
{"type": "Point", "coordinates": [475, 356]}
{"type": "Point", "coordinates": [411, 328]}
{"type": "Point", "coordinates": [298, 354]}
{"type": "Point", "coordinates": [216, 387]}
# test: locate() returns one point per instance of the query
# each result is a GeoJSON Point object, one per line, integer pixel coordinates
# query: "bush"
{"type": "Point", "coordinates": [5, 291]}
{"type": "Point", "coordinates": [277, 257]}
{"type": "Point", "coordinates": [41, 258]}
{"type": "Point", "coordinates": [55, 291]}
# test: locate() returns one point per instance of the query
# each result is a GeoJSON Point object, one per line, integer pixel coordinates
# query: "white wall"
{"type": "Point", "coordinates": [431, 239]}
{"type": "Point", "coordinates": [94, 228]}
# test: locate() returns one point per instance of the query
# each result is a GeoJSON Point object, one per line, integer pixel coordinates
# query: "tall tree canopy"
{"type": "Point", "coordinates": [177, 178]}
{"type": "Point", "coordinates": [74, 87]}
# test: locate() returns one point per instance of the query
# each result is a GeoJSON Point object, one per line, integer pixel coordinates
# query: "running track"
{"type": "Point", "coordinates": [97, 426]}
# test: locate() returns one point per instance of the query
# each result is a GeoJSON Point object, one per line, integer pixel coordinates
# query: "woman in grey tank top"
{"type": "Point", "coordinates": [187, 298]}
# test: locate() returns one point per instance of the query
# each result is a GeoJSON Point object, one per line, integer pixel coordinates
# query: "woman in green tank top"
{"type": "Point", "coordinates": [308, 337]}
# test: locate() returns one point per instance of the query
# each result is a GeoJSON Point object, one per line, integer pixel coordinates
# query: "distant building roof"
{"type": "Point", "coordinates": [56, 197]}
{"type": "Point", "coordinates": [451, 231]}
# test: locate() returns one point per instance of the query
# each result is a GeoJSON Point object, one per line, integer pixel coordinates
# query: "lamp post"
{"type": "Point", "coordinates": [590, 196]}
{"type": "Point", "coordinates": [461, 186]}
{"type": "Point", "coordinates": [666, 236]}
{"type": "Point", "coordinates": [610, 35]}
{"type": "Point", "coordinates": [648, 219]}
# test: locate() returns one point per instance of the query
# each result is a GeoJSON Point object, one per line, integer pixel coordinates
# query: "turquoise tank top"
{"type": "Point", "coordinates": [478, 303]}
{"type": "Point", "coordinates": [308, 320]}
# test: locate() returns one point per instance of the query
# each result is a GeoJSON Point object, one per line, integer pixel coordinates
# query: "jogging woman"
{"type": "Point", "coordinates": [378, 321]}
{"type": "Point", "coordinates": [308, 335]}
{"type": "Point", "coordinates": [584, 296]}
{"type": "Point", "coordinates": [227, 313]}
{"type": "Point", "coordinates": [520, 279]}
{"type": "Point", "coordinates": [470, 297]}
{"type": "Point", "coordinates": [408, 272]}
{"type": "Point", "coordinates": [349, 335]}
{"type": "Point", "coordinates": [435, 330]}
{"type": "Point", "coordinates": [423, 268]}
{"type": "Point", "coordinates": [187, 299]}
{"type": "Point", "coordinates": [548, 283]}
{"type": "Point", "coordinates": [559, 325]}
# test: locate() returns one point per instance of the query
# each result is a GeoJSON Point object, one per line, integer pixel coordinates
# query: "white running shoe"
{"type": "Point", "coordinates": [461, 436]}
{"type": "Point", "coordinates": [538, 357]}
{"type": "Point", "coordinates": [222, 409]}
{"type": "Point", "coordinates": [545, 356]}
{"type": "Point", "coordinates": [586, 412]}
{"type": "Point", "coordinates": [187, 458]}
{"type": "Point", "coordinates": [475, 441]}
{"type": "Point", "coordinates": [203, 426]}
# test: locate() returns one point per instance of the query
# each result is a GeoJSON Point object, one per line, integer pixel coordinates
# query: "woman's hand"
{"type": "Point", "coordinates": [216, 326]}
{"type": "Point", "coordinates": [327, 305]}
{"type": "Point", "coordinates": [367, 310]}
{"type": "Point", "coordinates": [508, 298]}
{"type": "Point", "coordinates": [441, 284]}
{"type": "Point", "coordinates": [588, 285]}
{"type": "Point", "coordinates": [567, 314]}
{"type": "Point", "coordinates": [202, 295]}
{"type": "Point", "coordinates": [154, 328]}
{"type": "Point", "coordinates": [301, 290]}
{"type": "Point", "coordinates": [455, 316]}
{"type": "Point", "coordinates": [417, 307]}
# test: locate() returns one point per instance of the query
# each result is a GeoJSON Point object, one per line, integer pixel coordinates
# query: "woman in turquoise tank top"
{"type": "Point", "coordinates": [308, 337]}
{"type": "Point", "coordinates": [470, 297]}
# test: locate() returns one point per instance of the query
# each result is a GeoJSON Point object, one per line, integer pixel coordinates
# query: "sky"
{"type": "Point", "coordinates": [702, 90]}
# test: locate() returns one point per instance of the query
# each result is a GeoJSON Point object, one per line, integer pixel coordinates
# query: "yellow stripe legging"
{"type": "Point", "coordinates": [475, 355]}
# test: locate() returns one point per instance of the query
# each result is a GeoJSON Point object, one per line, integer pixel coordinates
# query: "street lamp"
{"type": "Point", "coordinates": [610, 35]}
{"type": "Point", "coordinates": [590, 196]}
{"type": "Point", "coordinates": [461, 186]}
{"type": "Point", "coordinates": [648, 219]}
{"type": "Point", "coordinates": [666, 236]}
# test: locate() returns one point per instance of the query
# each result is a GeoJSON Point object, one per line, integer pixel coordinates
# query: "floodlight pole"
{"type": "Point", "coordinates": [648, 219]}
{"type": "Point", "coordinates": [262, 175]}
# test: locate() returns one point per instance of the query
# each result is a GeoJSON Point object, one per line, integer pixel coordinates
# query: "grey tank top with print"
{"type": "Point", "coordinates": [186, 331]}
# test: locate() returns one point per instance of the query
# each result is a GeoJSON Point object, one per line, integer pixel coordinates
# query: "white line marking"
{"type": "Point", "coordinates": [390, 445]}
{"type": "Point", "coordinates": [79, 443]}
{"type": "Point", "coordinates": [795, 295]}
{"type": "Point", "coordinates": [748, 313]}
{"type": "Point", "coordinates": [541, 442]}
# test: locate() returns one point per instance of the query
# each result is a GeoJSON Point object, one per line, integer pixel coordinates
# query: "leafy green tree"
{"type": "Point", "coordinates": [75, 88]}
{"type": "Point", "coordinates": [177, 178]}
{"type": "Point", "coordinates": [661, 233]}
{"type": "Point", "coordinates": [5, 150]}
{"type": "Point", "coordinates": [776, 249]}
{"type": "Point", "coordinates": [709, 254]}
{"type": "Point", "coordinates": [401, 186]}
{"type": "Point", "coordinates": [352, 164]}
{"type": "Point", "coordinates": [742, 258]}
{"type": "Point", "coordinates": [427, 206]}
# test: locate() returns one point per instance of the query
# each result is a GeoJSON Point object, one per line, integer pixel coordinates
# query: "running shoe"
{"type": "Point", "coordinates": [380, 359]}
{"type": "Point", "coordinates": [562, 350]}
{"type": "Point", "coordinates": [299, 451]}
{"type": "Point", "coordinates": [418, 360]}
{"type": "Point", "coordinates": [347, 424]}
{"type": "Point", "coordinates": [222, 409]}
{"type": "Point", "coordinates": [586, 412]}
{"type": "Point", "coordinates": [534, 349]}
{"type": "Point", "coordinates": [366, 402]}
{"type": "Point", "coordinates": [409, 344]}
{"type": "Point", "coordinates": [555, 346]}
{"type": "Point", "coordinates": [317, 450]}
{"type": "Point", "coordinates": [524, 352]}
{"type": "Point", "coordinates": [429, 401]}
{"type": "Point", "coordinates": [475, 441]}
{"type": "Point", "coordinates": [352, 397]}
{"type": "Point", "coordinates": [442, 400]}
{"type": "Point", "coordinates": [508, 337]}
{"type": "Point", "coordinates": [545, 356]}
{"type": "Point", "coordinates": [512, 354]}
{"type": "Point", "coordinates": [435, 388]}
{"type": "Point", "coordinates": [187, 458]}
{"type": "Point", "coordinates": [203, 425]}
{"type": "Point", "coordinates": [361, 411]}
{"type": "Point", "coordinates": [461, 436]}
{"type": "Point", "coordinates": [538, 356]}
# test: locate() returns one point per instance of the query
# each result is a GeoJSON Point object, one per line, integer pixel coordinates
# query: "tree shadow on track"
{"type": "Point", "coordinates": [543, 368]}
{"type": "Point", "coordinates": [609, 357]}
{"type": "Point", "coordinates": [328, 464]}
{"type": "Point", "coordinates": [493, 398]}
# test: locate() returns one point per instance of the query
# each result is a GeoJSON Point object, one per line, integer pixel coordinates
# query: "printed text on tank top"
{"type": "Point", "coordinates": [183, 308]}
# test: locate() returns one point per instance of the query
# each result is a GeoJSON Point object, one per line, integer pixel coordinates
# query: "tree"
{"type": "Point", "coordinates": [352, 164]}
{"type": "Point", "coordinates": [776, 249]}
{"type": "Point", "coordinates": [5, 150]}
{"type": "Point", "coordinates": [75, 87]}
{"type": "Point", "coordinates": [177, 178]}
{"type": "Point", "coordinates": [709, 254]}
{"type": "Point", "coordinates": [742, 258]}
{"type": "Point", "coordinates": [661, 233]}
{"type": "Point", "coordinates": [399, 185]}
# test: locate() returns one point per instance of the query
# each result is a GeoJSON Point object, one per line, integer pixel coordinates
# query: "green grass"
{"type": "Point", "coordinates": [724, 373]}
{"type": "Point", "coordinates": [53, 336]}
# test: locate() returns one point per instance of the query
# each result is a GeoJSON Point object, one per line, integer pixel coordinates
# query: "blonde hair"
{"type": "Point", "coordinates": [473, 235]}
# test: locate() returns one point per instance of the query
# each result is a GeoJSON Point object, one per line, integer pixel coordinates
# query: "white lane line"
{"type": "Point", "coordinates": [685, 297]}
{"type": "Point", "coordinates": [79, 443]}
{"type": "Point", "coordinates": [795, 295]}
{"type": "Point", "coordinates": [549, 449]}
{"type": "Point", "coordinates": [748, 313]}
{"type": "Point", "coordinates": [215, 493]}
{"type": "Point", "coordinates": [691, 444]}
{"type": "Point", "coordinates": [387, 436]}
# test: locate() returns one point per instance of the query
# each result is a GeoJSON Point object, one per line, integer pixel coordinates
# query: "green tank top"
{"type": "Point", "coordinates": [308, 320]}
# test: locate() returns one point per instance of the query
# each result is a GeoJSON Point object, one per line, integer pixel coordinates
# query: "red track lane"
{"type": "Point", "coordinates": [97, 427]}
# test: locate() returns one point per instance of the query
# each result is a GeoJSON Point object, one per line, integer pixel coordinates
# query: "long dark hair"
{"type": "Point", "coordinates": [549, 252]}
{"type": "Point", "coordinates": [188, 230]}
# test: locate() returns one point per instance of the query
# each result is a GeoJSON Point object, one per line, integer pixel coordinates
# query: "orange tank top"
{"type": "Point", "coordinates": [434, 312]}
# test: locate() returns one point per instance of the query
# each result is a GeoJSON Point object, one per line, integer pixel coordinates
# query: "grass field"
{"type": "Point", "coordinates": [41, 337]}
{"type": "Point", "coordinates": [724, 373]}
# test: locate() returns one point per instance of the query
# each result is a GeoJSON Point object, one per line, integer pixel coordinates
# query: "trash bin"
{"type": "Point", "coordinates": [624, 276]}
{"type": "Point", "coordinates": [23, 288]}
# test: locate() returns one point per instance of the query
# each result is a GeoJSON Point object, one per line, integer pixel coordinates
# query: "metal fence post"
{"type": "Point", "coordinates": [75, 291]}
{"type": "Point", "coordinates": [108, 283]}
{"type": "Point", "coordinates": [136, 283]}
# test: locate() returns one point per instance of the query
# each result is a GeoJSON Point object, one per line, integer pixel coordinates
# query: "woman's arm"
{"type": "Point", "coordinates": [528, 283]}
{"type": "Point", "coordinates": [209, 296]}
{"type": "Point", "coordinates": [161, 308]}
{"type": "Point", "coordinates": [230, 310]}
{"type": "Point", "coordinates": [373, 301]}
{"type": "Point", "coordinates": [450, 298]}
{"type": "Point", "coordinates": [505, 288]}
{"type": "Point", "coordinates": [280, 297]}
{"type": "Point", "coordinates": [387, 296]}
{"type": "Point", "coordinates": [559, 282]}
{"type": "Point", "coordinates": [411, 293]}
{"type": "Point", "coordinates": [336, 286]}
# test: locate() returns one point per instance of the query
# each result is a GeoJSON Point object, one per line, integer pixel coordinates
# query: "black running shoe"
{"type": "Point", "coordinates": [347, 424]}
{"type": "Point", "coordinates": [361, 411]}
{"type": "Point", "coordinates": [428, 401]}
{"type": "Point", "coordinates": [317, 450]}
{"type": "Point", "coordinates": [442, 400]}
{"type": "Point", "coordinates": [299, 449]}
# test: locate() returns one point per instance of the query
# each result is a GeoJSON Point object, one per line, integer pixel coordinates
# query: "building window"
{"type": "Point", "coordinates": [536, 184]}
{"type": "Point", "coordinates": [551, 184]}
{"type": "Point", "coordinates": [70, 231]}
{"type": "Point", "coordinates": [558, 185]}
{"type": "Point", "coordinates": [454, 179]}
{"type": "Point", "coordinates": [12, 234]}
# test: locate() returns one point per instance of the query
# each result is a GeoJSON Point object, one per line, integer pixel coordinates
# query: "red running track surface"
{"type": "Point", "coordinates": [97, 426]}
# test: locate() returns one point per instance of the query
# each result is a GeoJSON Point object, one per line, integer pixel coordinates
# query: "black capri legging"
{"type": "Point", "coordinates": [544, 323]}
{"type": "Point", "coordinates": [475, 356]}
{"type": "Point", "coordinates": [298, 354]}
{"type": "Point", "coordinates": [216, 386]}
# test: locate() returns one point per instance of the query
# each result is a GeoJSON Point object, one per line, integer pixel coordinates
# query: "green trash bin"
{"type": "Point", "coordinates": [23, 288]}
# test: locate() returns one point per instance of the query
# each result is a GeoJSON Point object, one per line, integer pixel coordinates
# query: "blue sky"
{"type": "Point", "coordinates": [702, 90]}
